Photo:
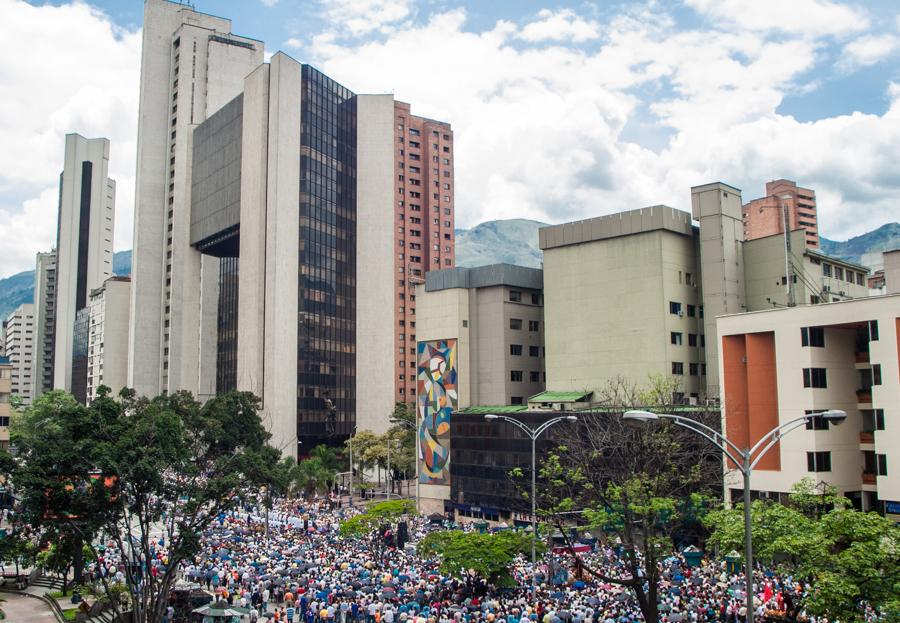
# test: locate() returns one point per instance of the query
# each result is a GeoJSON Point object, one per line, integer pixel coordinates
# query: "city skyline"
{"type": "Point", "coordinates": [560, 112]}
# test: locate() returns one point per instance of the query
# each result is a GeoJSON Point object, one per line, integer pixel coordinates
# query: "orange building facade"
{"type": "Point", "coordinates": [764, 216]}
{"type": "Point", "coordinates": [424, 236]}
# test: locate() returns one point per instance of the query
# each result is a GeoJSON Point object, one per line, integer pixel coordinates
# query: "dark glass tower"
{"type": "Point", "coordinates": [326, 343]}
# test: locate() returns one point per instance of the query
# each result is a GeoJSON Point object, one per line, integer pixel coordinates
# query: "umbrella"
{"type": "Point", "coordinates": [622, 597]}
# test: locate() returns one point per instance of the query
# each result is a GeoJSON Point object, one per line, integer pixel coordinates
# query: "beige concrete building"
{"type": "Point", "coordinates": [191, 66]}
{"type": "Point", "coordinates": [107, 355]}
{"type": "Point", "coordinates": [480, 341]}
{"type": "Point", "coordinates": [496, 315]}
{"type": "Point", "coordinates": [781, 363]}
{"type": "Point", "coordinates": [892, 271]}
{"type": "Point", "coordinates": [6, 371]}
{"type": "Point", "coordinates": [623, 298]}
{"type": "Point", "coordinates": [816, 278]}
{"type": "Point", "coordinates": [20, 350]}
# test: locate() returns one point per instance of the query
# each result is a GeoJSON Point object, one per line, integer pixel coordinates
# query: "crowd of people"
{"type": "Point", "coordinates": [297, 568]}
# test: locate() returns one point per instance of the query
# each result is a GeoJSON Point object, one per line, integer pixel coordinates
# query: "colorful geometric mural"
{"type": "Point", "coordinates": [436, 399]}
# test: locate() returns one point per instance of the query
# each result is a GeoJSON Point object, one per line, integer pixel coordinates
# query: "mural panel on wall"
{"type": "Point", "coordinates": [436, 400]}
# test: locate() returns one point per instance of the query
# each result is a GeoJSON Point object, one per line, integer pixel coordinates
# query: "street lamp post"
{"type": "Point", "coordinates": [415, 429]}
{"type": "Point", "coordinates": [533, 434]}
{"type": "Point", "coordinates": [744, 458]}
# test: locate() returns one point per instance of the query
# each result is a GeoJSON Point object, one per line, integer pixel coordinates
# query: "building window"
{"type": "Point", "coordinates": [677, 368]}
{"type": "Point", "coordinates": [881, 464]}
{"type": "Point", "coordinates": [839, 273]}
{"type": "Point", "coordinates": [818, 461]}
{"type": "Point", "coordinates": [674, 308]}
{"type": "Point", "coordinates": [534, 351]}
{"type": "Point", "coordinates": [826, 270]}
{"type": "Point", "coordinates": [515, 349]}
{"type": "Point", "coordinates": [816, 422]}
{"type": "Point", "coordinates": [515, 324]}
{"type": "Point", "coordinates": [515, 296]}
{"type": "Point", "coordinates": [534, 377]}
{"type": "Point", "coordinates": [702, 369]}
{"type": "Point", "coordinates": [675, 338]}
{"type": "Point", "coordinates": [812, 336]}
{"type": "Point", "coordinates": [873, 330]}
{"type": "Point", "coordinates": [515, 400]}
{"type": "Point", "coordinates": [534, 325]}
{"type": "Point", "coordinates": [691, 311]}
{"type": "Point", "coordinates": [876, 374]}
{"type": "Point", "coordinates": [515, 376]}
{"type": "Point", "coordinates": [694, 369]}
{"type": "Point", "coordinates": [692, 339]}
{"type": "Point", "coordinates": [814, 377]}
{"type": "Point", "coordinates": [535, 298]}
{"type": "Point", "coordinates": [860, 279]}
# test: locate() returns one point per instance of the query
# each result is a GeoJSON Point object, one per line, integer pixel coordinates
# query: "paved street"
{"type": "Point", "coordinates": [22, 609]}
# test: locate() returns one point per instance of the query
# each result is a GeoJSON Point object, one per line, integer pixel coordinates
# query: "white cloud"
{"type": "Point", "coordinates": [269, 3]}
{"type": "Point", "coordinates": [539, 130]}
{"type": "Point", "coordinates": [52, 85]}
{"type": "Point", "coordinates": [867, 50]}
{"type": "Point", "coordinates": [293, 42]}
{"type": "Point", "coordinates": [559, 26]}
{"type": "Point", "coordinates": [359, 17]}
{"type": "Point", "coordinates": [808, 18]}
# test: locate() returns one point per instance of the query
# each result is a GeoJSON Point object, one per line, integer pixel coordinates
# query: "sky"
{"type": "Point", "coordinates": [560, 110]}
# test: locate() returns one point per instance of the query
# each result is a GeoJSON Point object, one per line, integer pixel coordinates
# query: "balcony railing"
{"type": "Point", "coordinates": [867, 437]}
{"type": "Point", "coordinates": [864, 395]}
{"type": "Point", "coordinates": [869, 478]}
{"type": "Point", "coordinates": [862, 357]}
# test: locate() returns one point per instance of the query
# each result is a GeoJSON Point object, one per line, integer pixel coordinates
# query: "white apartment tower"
{"type": "Point", "coordinates": [83, 247]}
{"type": "Point", "coordinates": [191, 65]}
{"type": "Point", "coordinates": [19, 349]}
{"type": "Point", "coordinates": [44, 322]}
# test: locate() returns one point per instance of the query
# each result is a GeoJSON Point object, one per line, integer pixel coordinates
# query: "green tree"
{"type": "Point", "coordinates": [472, 556]}
{"type": "Point", "coordinates": [375, 516]}
{"type": "Point", "coordinates": [851, 558]}
{"type": "Point", "coordinates": [130, 466]}
{"type": "Point", "coordinates": [640, 487]}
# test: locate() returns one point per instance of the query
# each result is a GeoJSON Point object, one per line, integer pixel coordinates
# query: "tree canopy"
{"type": "Point", "coordinates": [125, 466]}
{"type": "Point", "coordinates": [851, 558]}
{"type": "Point", "coordinates": [470, 555]}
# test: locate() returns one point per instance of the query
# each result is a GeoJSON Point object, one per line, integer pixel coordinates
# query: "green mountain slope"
{"type": "Point", "coordinates": [885, 238]}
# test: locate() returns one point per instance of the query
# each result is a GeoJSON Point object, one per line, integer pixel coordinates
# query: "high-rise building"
{"type": "Point", "coordinates": [191, 65]}
{"type": "Point", "coordinates": [765, 216]}
{"type": "Point", "coordinates": [108, 320]}
{"type": "Point", "coordinates": [20, 350]}
{"type": "Point", "coordinates": [84, 247]}
{"type": "Point", "coordinates": [423, 164]}
{"type": "Point", "coordinates": [44, 322]}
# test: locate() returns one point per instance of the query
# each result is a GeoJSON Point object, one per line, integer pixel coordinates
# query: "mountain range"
{"type": "Point", "coordinates": [514, 241]}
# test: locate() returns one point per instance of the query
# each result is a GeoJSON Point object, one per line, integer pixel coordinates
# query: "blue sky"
{"type": "Point", "coordinates": [561, 110]}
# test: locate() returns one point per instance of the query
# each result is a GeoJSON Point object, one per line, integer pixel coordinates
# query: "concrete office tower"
{"type": "Point", "coordinates": [107, 355]}
{"type": "Point", "coordinates": [496, 316]}
{"type": "Point", "coordinates": [20, 350]}
{"type": "Point", "coordinates": [44, 323]}
{"type": "Point", "coordinates": [765, 216]}
{"type": "Point", "coordinates": [717, 207]}
{"type": "Point", "coordinates": [191, 65]}
{"type": "Point", "coordinates": [782, 363]}
{"type": "Point", "coordinates": [622, 298]}
{"type": "Point", "coordinates": [423, 164]}
{"type": "Point", "coordinates": [84, 247]}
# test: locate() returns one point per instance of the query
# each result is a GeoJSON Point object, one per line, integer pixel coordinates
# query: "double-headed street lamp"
{"type": "Point", "coordinates": [744, 458]}
{"type": "Point", "coordinates": [415, 429]}
{"type": "Point", "coordinates": [532, 433]}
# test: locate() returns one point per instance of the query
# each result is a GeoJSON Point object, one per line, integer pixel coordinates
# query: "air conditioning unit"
{"type": "Point", "coordinates": [680, 314]}
{"type": "Point", "coordinates": [826, 288]}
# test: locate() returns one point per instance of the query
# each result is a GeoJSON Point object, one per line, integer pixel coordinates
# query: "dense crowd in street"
{"type": "Point", "coordinates": [303, 571]}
